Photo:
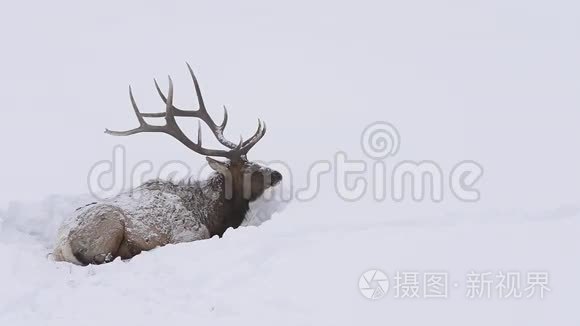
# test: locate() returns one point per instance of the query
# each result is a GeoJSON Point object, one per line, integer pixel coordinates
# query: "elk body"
{"type": "Point", "coordinates": [162, 212]}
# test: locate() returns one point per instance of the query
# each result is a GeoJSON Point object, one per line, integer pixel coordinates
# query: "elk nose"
{"type": "Point", "coordinates": [276, 177]}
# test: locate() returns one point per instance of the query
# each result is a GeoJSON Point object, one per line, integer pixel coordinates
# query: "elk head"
{"type": "Point", "coordinates": [244, 179]}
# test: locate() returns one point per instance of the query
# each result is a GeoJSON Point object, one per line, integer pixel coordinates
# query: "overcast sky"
{"type": "Point", "coordinates": [497, 82]}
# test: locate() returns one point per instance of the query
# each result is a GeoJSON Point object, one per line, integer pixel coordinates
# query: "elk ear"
{"type": "Point", "coordinates": [216, 165]}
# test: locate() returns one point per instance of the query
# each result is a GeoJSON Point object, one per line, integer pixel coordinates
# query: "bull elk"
{"type": "Point", "coordinates": [161, 212]}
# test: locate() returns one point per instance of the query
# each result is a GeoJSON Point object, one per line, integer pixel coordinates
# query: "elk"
{"type": "Point", "coordinates": [161, 212]}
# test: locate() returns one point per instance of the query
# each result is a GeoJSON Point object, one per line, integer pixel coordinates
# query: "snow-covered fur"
{"type": "Point", "coordinates": [155, 214]}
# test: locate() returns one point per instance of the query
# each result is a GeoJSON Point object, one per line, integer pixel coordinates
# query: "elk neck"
{"type": "Point", "coordinates": [231, 207]}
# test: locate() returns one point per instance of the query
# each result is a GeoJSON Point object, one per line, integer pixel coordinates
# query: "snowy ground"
{"type": "Point", "coordinates": [491, 81]}
{"type": "Point", "coordinates": [292, 270]}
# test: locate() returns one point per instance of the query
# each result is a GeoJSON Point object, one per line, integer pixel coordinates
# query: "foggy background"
{"type": "Point", "coordinates": [496, 82]}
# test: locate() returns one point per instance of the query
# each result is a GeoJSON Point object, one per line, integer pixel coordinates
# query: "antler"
{"type": "Point", "coordinates": [235, 151]}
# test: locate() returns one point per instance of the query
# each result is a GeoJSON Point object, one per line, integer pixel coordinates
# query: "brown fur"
{"type": "Point", "coordinates": [160, 212]}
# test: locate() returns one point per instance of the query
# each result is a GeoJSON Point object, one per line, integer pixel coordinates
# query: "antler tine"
{"type": "Point", "coordinates": [169, 115]}
{"type": "Point", "coordinates": [159, 91]}
{"type": "Point", "coordinates": [143, 126]}
{"type": "Point", "coordinates": [197, 90]}
{"type": "Point", "coordinates": [198, 132]}
{"type": "Point", "coordinates": [225, 121]}
{"type": "Point", "coordinates": [176, 112]}
{"type": "Point", "coordinates": [158, 114]}
{"type": "Point", "coordinates": [136, 108]}
{"type": "Point", "coordinates": [248, 144]}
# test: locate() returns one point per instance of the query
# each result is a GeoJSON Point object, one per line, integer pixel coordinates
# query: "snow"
{"type": "Point", "coordinates": [289, 271]}
{"type": "Point", "coordinates": [494, 81]}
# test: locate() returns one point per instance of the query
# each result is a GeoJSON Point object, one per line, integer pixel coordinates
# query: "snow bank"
{"type": "Point", "coordinates": [293, 270]}
{"type": "Point", "coordinates": [38, 220]}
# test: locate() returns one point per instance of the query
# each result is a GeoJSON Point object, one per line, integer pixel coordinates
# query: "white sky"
{"type": "Point", "coordinates": [497, 82]}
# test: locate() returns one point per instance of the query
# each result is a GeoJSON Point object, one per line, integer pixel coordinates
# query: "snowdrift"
{"type": "Point", "coordinates": [292, 270]}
